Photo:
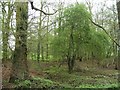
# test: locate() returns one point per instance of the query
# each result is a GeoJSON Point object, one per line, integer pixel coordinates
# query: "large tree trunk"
{"type": "Point", "coordinates": [20, 67]}
{"type": "Point", "coordinates": [118, 9]}
{"type": "Point", "coordinates": [118, 63]}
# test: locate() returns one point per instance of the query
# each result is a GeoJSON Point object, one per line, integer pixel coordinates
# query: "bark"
{"type": "Point", "coordinates": [71, 53]}
{"type": "Point", "coordinates": [4, 49]}
{"type": "Point", "coordinates": [38, 51]}
{"type": "Point", "coordinates": [42, 53]}
{"type": "Point", "coordinates": [47, 38]}
{"type": "Point", "coordinates": [47, 53]}
{"type": "Point", "coordinates": [19, 64]}
{"type": "Point", "coordinates": [5, 31]}
{"type": "Point", "coordinates": [118, 9]}
{"type": "Point", "coordinates": [71, 62]}
{"type": "Point", "coordinates": [39, 35]}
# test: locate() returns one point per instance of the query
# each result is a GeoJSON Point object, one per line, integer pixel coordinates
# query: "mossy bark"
{"type": "Point", "coordinates": [20, 67]}
{"type": "Point", "coordinates": [118, 9]}
{"type": "Point", "coordinates": [5, 31]}
{"type": "Point", "coordinates": [118, 60]}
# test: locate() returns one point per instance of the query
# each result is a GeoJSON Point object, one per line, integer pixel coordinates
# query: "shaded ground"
{"type": "Point", "coordinates": [85, 75]}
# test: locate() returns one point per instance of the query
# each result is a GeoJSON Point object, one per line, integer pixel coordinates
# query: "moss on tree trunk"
{"type": "Point", "coordinates": [5, 31]}
{"type": "Point", "coordinates": [20, 67]}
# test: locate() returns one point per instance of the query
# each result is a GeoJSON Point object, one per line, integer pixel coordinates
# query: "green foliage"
{"type": "Point", "coordinates": [87, 41]}
{"type": "Point", "coordinates": [99, 86]}
{"type": "Point", "coordinates": [78, 80]}
{"type": "Point", "coordinates": [75, 21]}
{"type": "Point", "coordinates": [99, 44]}
{"type": "Point", "coordinates": [44, 82]}
{"type": "Point", "coordinates": [23, 84]}
{"type": "Point", "coordinates": [37, 82]}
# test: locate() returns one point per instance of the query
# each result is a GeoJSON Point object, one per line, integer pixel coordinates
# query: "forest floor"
{"type": "Point", "coordinates": [85, 75]}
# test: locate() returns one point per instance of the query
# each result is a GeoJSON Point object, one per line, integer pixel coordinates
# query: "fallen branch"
{"type": "Point", "coordinates": [104, 31]}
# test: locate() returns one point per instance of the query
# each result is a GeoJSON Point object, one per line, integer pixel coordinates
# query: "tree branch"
{"type": "Point", "coordinates": [33, 7]}
{"type": "Point", "coordinates": [104, 31]}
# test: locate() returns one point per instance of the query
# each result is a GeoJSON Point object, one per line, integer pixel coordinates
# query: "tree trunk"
{"type": "Point", "coordinates": [5, 31]}
{"type": "Point", "coordinates": [38, 51]}
{"type": "Point", "coordinates": [4, 46]}
{"type": "Point", "coordinates": [47, 37]}
{"type": "Point", "coordinates": [19, 65]}
{"type": "Point", "coordinates": [118, 9]}
{"type": "Point", "coordinates": [39, 34]}
{"type": "Point", "coordinates": [42, 52]}
{"type": "Point", "coordinates": [71, 53]}
{"type": "Point", "coordinates": [71, 62]}
{"type": "Point", "coordinates": [47, 53]}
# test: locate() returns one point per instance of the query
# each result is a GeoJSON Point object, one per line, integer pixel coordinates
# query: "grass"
{"type": "Point", "coordinates": [49, 75]}
{"type": "Point", "coordinates": [83, 79]}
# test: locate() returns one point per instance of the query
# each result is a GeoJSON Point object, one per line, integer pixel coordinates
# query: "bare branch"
{"type": "Point", "coordinates": [104, 31]}
{"type": "Point", "coordinates": [33, 7]}
{"type": "Point", "coordinates": [113, 10]}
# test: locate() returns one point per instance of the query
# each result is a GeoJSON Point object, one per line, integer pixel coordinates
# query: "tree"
{"type": "Point", "coordinates": [118, 9]}
{"type": "Point", "coordinates": [105, 15]}
{"type": "Point", "coordinates": [71, 33]}
{"type": "Point", "coordinates": [19, 64]}
{"type": "Point", "coordinates": [6, 29]}
{"type": "Point", "coordinates": [47, 43]}
{"type": "Point", "coordinates": [39, 34]}
{"type": "Point", "coordinates": [5, 41]}
{"type": "Point", "coordinates": [40, 48]}
{"type": "Point", "coordinates": [77, 38]}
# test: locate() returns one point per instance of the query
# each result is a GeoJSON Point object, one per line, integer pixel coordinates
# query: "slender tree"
{"type": "Point", "coordinates": [7, 14]}
{"type": "Point", "coordinates": [39, 34]}
{"type": "Point", "coordinates": [6, 29]}
{"type": "Point", "coordinates": [47, 44]}
{"type": "Point", "coordinates": [4, 46]}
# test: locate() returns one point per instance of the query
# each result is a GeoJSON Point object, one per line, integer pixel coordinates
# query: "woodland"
{"type": "Point", "coordinates": [60, 45]}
